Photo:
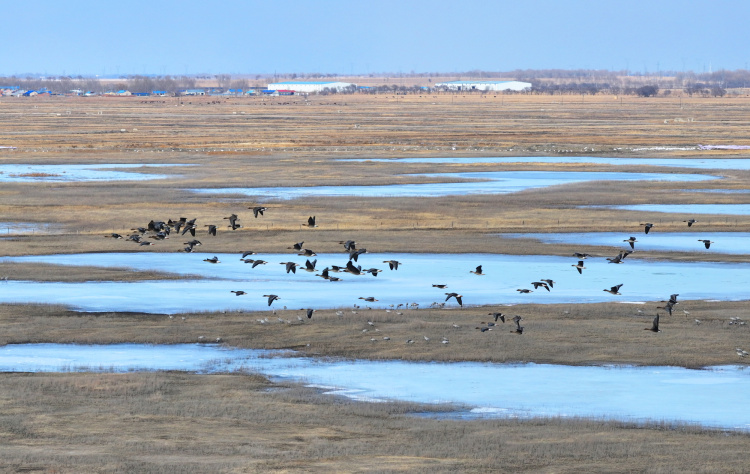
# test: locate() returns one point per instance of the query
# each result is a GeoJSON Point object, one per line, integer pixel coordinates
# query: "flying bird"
{"type": "Point", "coordinates": [352, 269]}
{"type": "Point", "coordinates": [631, 241]}
{"type": "Point", "coordinates": [441, 286]}
{"type": "Point", "coordinates": [271, 298]}
{"type": "Point", "coordinates": [393, 264]}
{"type": "Point", "coordinates": [478, 271]}
{"type": "Point", "coordinates": [548, 281]}
{"type": "Point", "coordinates": [290, 266]}
{"type": "Point", "coordinates": [297, 246]}
{"type": "Point", "coordinates": [537, 284]}
{"type": "Point", "coordinates": [238, 293]}
{"type": "Point", "coordinates": [310, 222]}
{"type": "Point", "coordinates": [249, 252]}
{"type": "Point", "coordinates": [310, 266]}
{"type": "Point", "coordinates": [211, 229]}
{"type": "Point", "coordinates": [497, 316]}
{"type": "Point", "coordinates": [310, 313]}
{"type": "Point", "coordinates": [647, 226]}
{"type": "Point", "coordinates": [455, 295]}
{"type": "Point", "coordinates": [579, 266]}
{"type": "Point", "coordinates": [581, 256]}
{"type": "Point", "coordinates": [615, 290]}
{"type": "Point", "coordinates": [214, 259]}
{"type": "Point", "coordinates": [349, 245]}
{"type": "Point", "coordinates": [258, 210]}
{"type": "Point", "coordinates": [370, 299]}
{"type": "Point", "coordinates": [690, 222]}
{"type": "Point", "coordinates": [524, 290]}
{"type": "Point", "coordinates": [706, 242]}
{"type": "Point", "coordinates": [307, 253]}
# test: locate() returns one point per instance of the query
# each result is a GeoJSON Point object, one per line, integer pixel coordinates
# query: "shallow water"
{"type": "Point", "coordinates": [20, 173]}
{"type": "Point", "coordinates": [697, 163]}
{"type": "Point", "coordinates": [723, 242]}
{"type": "Point", "coordinates": [495, 182]}
{"type": "Point", "coordinates": [719, 191]}
{"type": "Point", "coordinates": [10, 228]}
{"type": "Point", "coordinates": [723, 209]}
{"type": "Point", "coordinates": [412, 282]}
{"type": "Point", "coordinates": [501, 390]}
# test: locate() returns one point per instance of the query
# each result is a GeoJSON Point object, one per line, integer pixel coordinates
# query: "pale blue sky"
{"type": "Point", "coordinates": [335, 36]}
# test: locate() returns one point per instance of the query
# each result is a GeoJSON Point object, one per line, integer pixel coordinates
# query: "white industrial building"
{"type": "Point", "coordinates": [300, 86]}
{"type": "Point", "coordinates": [485, 85]}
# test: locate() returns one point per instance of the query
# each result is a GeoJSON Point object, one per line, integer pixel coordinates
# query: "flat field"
{"type": "Point", "coordinates": [240, 423]}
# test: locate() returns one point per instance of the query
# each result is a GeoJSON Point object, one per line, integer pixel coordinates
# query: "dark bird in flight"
{"type": "Point", "coordinates": [632, 242]}
{"type": "Point", "coordinates": [258, 210]}
{"type": "Point", "coordinates": [655, 325]}
{"type": "Point", "coordinates": [619, 257]}
{"type": "Point", "coordinates": [254, 262]}
{"type": "Point", "coordinates": [324, 274]}
{"type": "Point", "coordinates": [307, 253]}
{"type": "Point", "coordinates": [548, 281]}
{"type": "Point", "coordinates": [310, 266]}
{"type": "Point", "coordinates": [290, 266]}
{"type": "Point", "coordinates": [349, 245]}
{"type": "Point", "coordinates": [373, 271]}
{"type": "Point", "coordinates": [579, 266]}
{"type": "Point", "coordinates": [238, 293]}
{"type": "Point", "coordinates": [455, 295]}
{"type": "Point", "coordinates": [537, 284]}
{"type": "Point", "coordinates": [352, 269]}
{"type": "Point", "coordinates": [706, 242]}
{"type": "Point", "coordinates": [211, 229]}
{"type": "Point", "coordinates": [310, 313]}
{"type": "Point", "coordinates": [497, 316]}
{"type": "Point", "coordinates": [354, 254]}
{"type": "Point", "coordinates": [370, 299]}
{"type": "Point", "coordinates": [673, 298]}
{"type": "Point", "coordinates": [233, 222]}
{"type": "Point", "coordinates": [393, 264]}
{"type": "Point", "coordinates": [647, 226]}
{"type": "Point", "coordinates": [441, 286]}
{"type": "Point", "coordinates": [667, 307]}
{"type": "Point", "coordinates": [581, 256]}
{"type": "Point", "coordinates": [271, 298]}
{"type": "Point", "coordinates": [615, 290]}
{"type": "Point", "coordinates": [524, 290]}
{"type": "Point", "coordinates": [478, 271]}
{"type": "Point", "coordinates": [214, 259]}
{"type": "Point", "coordinates": [310, 222]}
{"type": "Point", "coordinates": [249, 252]}
{"type": "Point", "coordinates": [690, 222]}
{"type": "Point", "coordinates": [297, 246]}
{"type": "Point", "coordinates": [114, 236]}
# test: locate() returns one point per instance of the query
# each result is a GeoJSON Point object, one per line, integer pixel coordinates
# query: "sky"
{"type": "Point", "coordinates": [95, 37]}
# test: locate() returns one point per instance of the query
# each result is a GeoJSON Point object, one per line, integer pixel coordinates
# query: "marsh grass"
{"type": "Point", "coordinates": [167, 422]}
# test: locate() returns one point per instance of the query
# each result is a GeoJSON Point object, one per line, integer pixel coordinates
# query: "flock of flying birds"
{"type": "Point", "coordinates": [160, 230]}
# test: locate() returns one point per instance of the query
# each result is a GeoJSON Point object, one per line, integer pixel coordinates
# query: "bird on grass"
{"type": "Point", "coordinates": [310, 222]}
{"type": "Point", "coordinates": [238, 292]}
{"type": "Point", "coordinates": [310, 313]}
{"type": "Point", "coordinates": [519, 329]}
{"type": "Point", "coordinates": [615, 290]}
{"type": "Point", "coordinates": [579, 266]}
{"type": "Point", "coordinates": [393, 264]}
{"type": "Point", "coordinates": [647, 226]}
{"type": "Point", "coordinates": [258, 210]}
{"type": "Point", "coordinates": [655, 325]}
{"type": "Point", "coordinates": [477, 271]}
{"type": "Point", "coordinates": [690, 222]}
{"type": "Point", "coordinates": [706, 242]}
{"type": "Point", "coordinates": [455, 295]}
{"type": "Point", "coordinates": [631, 241]}
{"type": "Point", "coordinates": [497, 316]}
{"type": "Point", "coordinates": [214, 259]}
{"type": "Point", "coordinates": [271, 298]}
{"type": "Point", "coordinates": [537, 284]}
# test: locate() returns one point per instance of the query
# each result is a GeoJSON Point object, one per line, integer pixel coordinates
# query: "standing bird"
{"type": "Point", "coordinates": [615, 290]}
{"type": "Point", "coordinates": [258, 210]}
{"type": "Point", "coordinates": [655, 326]}
{"type": "Point", "coordinates": [690, 222]}
{"type": "Point", "coordinates": [393, 264]}
{"type": "Point", "coordinates": [457, 296]}
{"type": "Point", "coordinates": [632, 242]}
{"type": "Point", "coordinates": [310, 313]}
{"type": "Point", "coordinates": [310, 222]}
{"type": "Point", "coordinates": [647, 226]}
{"type": "Point", "coordinates": [519, 329]}
{"type": "Point", "coordinates": [271, 298]}
{"type": "Point", "coordinates": [579, 266]}
{"type": "Point", "coordinates": [215, 259]}
{"type": "Point", "coordinates": [706, 242]}
{"type": "Point", "coordinates": [478, 271]}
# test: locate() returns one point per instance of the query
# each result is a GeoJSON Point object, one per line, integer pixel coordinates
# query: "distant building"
{"type": "Point", "coordinates": [193, 92]}
{"type": "Point", "coordinates": [310, 87]}
{"type": "Point", "coordinates": [485, 85]}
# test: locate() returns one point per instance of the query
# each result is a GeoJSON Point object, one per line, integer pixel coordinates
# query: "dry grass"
{"type": "Point", "coordinates": [171, 422]}
{"type": "Point", "coordinates": [167, 422]}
